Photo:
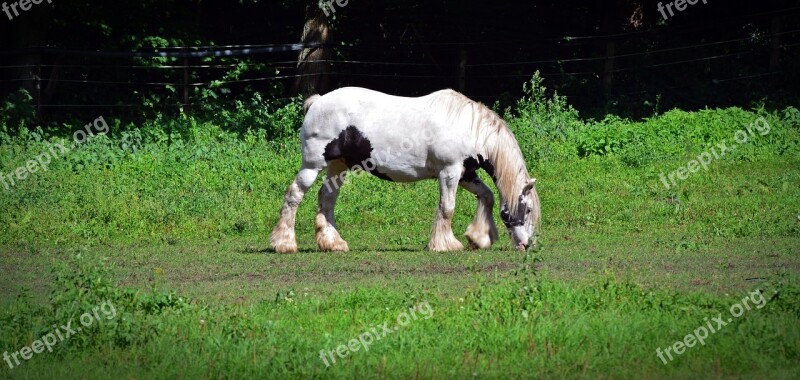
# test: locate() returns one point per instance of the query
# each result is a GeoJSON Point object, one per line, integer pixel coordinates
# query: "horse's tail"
{"type": "Point", "coordinates": [309, 102]}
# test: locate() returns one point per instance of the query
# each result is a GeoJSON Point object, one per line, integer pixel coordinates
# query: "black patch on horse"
{"type": "Point", "coordinates": [470, 168]}
{"type": "Point", "coordinates": [355, 149]}
{"type": "Point", "coordinates": [486, 165]}
{"type": "Point", "coordinates": [471, 165]}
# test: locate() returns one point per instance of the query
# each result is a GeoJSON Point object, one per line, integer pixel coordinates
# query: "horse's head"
{"type": "Point", "coordinates": [523, 222]}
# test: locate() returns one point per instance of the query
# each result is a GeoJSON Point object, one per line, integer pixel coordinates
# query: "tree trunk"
{"type": "Point", "coordinates": [314, 75]}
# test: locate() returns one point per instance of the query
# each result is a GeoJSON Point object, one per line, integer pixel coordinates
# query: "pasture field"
{"type": "Point", "coordinates": [169, 222]}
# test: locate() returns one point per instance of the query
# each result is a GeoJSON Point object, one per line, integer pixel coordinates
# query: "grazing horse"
{"type": "Point", "coordinates": [443, 136]}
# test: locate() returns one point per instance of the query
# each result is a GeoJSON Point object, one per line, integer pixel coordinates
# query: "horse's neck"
{"type": "Point", "coordinates": [508, 166]}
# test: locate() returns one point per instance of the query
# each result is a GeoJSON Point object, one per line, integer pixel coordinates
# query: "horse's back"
{"type": "Point", "coordinates": [364, 109]}
{"type": "Point", "coordinates": [364, 99]}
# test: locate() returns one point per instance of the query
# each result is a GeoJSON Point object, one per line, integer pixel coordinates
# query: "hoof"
{"type": "Point", "coordinates": [285, 247]}
{"type": "Point", "coordinates": [480, 239]}
{"type": "Point", "coordinates": [328, 239]}
{"type": "Point", "coordinates": [333, 245]}
{"type": "Point", "coordinates": [283, 240]}
{"type": "Point", "coordinates": [451, 244]}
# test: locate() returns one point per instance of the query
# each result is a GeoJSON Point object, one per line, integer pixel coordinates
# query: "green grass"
{"type": "Point", "coordinates": [490, 323]}
{"type": "Point", "coordinates": [174, 232]}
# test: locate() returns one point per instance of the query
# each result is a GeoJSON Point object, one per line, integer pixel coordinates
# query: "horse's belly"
{"type": "Point", "coordinates": [402, 174]}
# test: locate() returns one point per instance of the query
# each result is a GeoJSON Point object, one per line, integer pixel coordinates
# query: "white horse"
{"type": "Point", "coordinates": [443, 135]}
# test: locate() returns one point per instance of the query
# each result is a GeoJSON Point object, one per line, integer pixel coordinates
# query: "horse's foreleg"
{"type": "Point", "coordinates": [442, 238]}
{"type": "Point", "coordinates": [482, 233]}
{"type": "Point", "coordinates": [328, 238]}
{"type": "Point", "coordinates": [283, 237]}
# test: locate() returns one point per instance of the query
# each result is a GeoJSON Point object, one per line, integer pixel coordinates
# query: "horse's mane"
{"type": "Point", "coordinates": [492, 134]}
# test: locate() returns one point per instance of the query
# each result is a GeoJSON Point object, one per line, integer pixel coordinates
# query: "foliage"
{"type": "Point", "coordinates": [18, 110]}
{"type": "Point", "coordinates": [224, 174]}
{"type": "Point", "coordinates": [544, 124]}
{"type": "Point", "coordinates": [550, 129]}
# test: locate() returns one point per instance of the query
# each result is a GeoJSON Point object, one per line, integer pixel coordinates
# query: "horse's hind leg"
{"type": "Point", "coordinates": [482, 233]}
{"type": "Point", "coordinates": [328, 238]}
{"type": "Point", "coordinates": [283, 237]}
{"type": "Point", "coordinates": [442, 238]}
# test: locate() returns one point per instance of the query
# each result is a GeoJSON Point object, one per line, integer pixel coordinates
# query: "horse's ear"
{"type": "Point", "coordinates": [529, 186]}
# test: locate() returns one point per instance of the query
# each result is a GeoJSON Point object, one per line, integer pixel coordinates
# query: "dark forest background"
{"type": "Point", "coordinates": [73, 59]}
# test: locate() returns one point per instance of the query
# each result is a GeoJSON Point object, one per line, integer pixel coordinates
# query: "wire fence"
{"type": "Point", "coordinates": [208, 67]}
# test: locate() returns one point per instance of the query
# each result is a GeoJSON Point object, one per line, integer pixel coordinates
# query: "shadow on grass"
{"type": "Point", "coordinates": [271, 251]}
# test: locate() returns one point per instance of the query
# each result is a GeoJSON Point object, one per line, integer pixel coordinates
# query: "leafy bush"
{"type": "Point", "coordinates": [543, 126]}
{"type": "Point", "coordinates": [280, 122]}
{"type": "Point", "coordinates": [548, 128]}
{"type": "Point", "coordinates": [17, 111]}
